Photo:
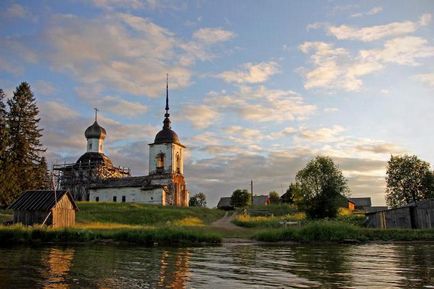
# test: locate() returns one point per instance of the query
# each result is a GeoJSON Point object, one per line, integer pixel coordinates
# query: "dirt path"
{"type": "Point", "coordinates": [225, 223]}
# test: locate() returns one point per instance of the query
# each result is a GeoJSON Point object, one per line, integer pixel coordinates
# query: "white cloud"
{"type": "Point", "coordinates": [371, 12]}
{"type": "Point", "coordinates": [331, 109]}
{"type": "Point", "coordinates": [337, 68]}
{"type": "Point", "coordinates": [262, 104]}
{"type": "Point", "coordinates": [405, 51]}
{"type": "Point", "coordinates": [334, 68]}
{"type": "Point", "coordinates": [251, 73]}
{"type": "Point", "coordinates": [426, 78]}
{"type": "Point", "coordinates": [325, 134]}
{"type": "Point", "coordinates": [212, 35]}
{"type": "Point", "coordinates": [200, 116]}
{"type": "Point", "coordinates": [372, 33]}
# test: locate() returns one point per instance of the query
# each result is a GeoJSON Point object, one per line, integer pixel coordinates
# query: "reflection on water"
{"type": "Point", "coordinates": [230, 266]}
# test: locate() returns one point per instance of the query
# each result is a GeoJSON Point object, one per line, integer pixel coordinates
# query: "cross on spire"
{"type": "Point", "coordinates": [96, 113]}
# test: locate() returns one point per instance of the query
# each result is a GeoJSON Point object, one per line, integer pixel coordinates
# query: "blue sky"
{"type": "Point", "coordinates": [257, 88]}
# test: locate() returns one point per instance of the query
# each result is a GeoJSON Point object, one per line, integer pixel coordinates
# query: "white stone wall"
{"type": "Point", "coordinates": [94, 145]}
{"type": "Point", "coordinates": [170, 151]}
{"type": "Point", "coordinates": [132, 195]}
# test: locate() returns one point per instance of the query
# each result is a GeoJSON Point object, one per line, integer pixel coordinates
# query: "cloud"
{"type": "Point", "coordinates": [380, 148]}
{"type": "Point", "coordinates": [212, 35]}
{"type": "Point", "coordinates": [262, 104]}
{"type": "Point", "coordinates": [16, 11]}
{"type": "Point", "coordinates": [371, 12]}
{"type": "Point", "coordinates": [200, 116]}
{"type": "Point", "coordinates": [325, 134]}
{"type": "Point", "coordinates": [405, 51]}
{"type": "Point", "coordinates": [44, 87]}
{"type": "Point", "coordinates": [251, 73]}
{"type": "Point", "coordinates": [336, 68]}
{"type": "Point", "coordinates": [366, 34]}
{"type": "Point", "coordinates": [330, 109]}
{"type": "Point", "coordinates": [426, 78]}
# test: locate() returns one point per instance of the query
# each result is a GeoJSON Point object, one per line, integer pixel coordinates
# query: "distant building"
{"type": "Point", "coordinates": [56, 209]}
{"type": "Point", "coordinates": [165, 184]}
{"type": "Point", "coordinates": [362, 204]}
{"type": "Point", "coordinates": [261, 200]}
{"type": "Point", "coordinates": [225, 204]}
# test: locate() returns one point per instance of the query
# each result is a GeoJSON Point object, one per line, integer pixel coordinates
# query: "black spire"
{"type": "Point", "coordinates": [96, 114]}
{"type": "Point", "coordinates": [167, 96]}
{"type": "Point", "coordinates": [166, 115]}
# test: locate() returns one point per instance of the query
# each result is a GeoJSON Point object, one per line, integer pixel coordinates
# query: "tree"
{"type": "Point", "coordinates": [5, 174]}
{"type": "Point", "coordinates": [292, 195]}
{"type": "Point", "coordinates": [408, 179]}
{"type": "Point", "coordinates": [240, 198]}
{"type": "Point", "coordinates": [25, 149]}
{"type": "Point", "coordinates": [274, 197]}
{"type": "Point", "coordinates": [322, 186]}
{"type": "Point", "coordinates": [198, 200]}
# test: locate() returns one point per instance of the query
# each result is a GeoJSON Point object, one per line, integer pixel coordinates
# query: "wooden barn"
{"type": "Point", "coordinates": [45, 207]}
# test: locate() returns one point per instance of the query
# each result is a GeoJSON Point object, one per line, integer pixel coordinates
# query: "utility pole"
{"type": "Point", "coordinates": [251, 190]}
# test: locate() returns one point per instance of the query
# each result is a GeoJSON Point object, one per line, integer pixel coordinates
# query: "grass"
{"type": "Point", "coordinates": [248, 221]}
{"type": "Point", "coordinates": [141, 214]}
{"type": "Point", "coordinates": [274, 210]}
{"type": "Point", "coordinates": [335, 231]}
{"type": "Point", "coordinates": [144, 236]}
{"type": "Point", "coordinates": [5, 215]}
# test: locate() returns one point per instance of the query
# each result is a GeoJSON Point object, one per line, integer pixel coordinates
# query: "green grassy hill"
{"type": "Point", "coordinates": [140, 214]}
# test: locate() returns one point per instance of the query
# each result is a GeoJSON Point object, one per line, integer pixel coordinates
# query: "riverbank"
{"type": "Point", "coordinates": [154, 225]}
{"type": "Point", "coordinates": [334, 231]}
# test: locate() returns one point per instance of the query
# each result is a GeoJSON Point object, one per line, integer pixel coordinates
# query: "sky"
{"type": "Point", "coordinates": [257, 88]}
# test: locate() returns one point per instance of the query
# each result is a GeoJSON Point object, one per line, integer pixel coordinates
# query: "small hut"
{"type": "Point", "coordinates": [56, 209]}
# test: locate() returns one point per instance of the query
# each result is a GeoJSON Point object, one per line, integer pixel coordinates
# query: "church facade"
{"type": "Point", "coordinates": [165, 183]}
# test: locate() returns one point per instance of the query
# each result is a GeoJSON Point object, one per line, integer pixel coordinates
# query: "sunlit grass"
{"type": "Point", "coordinates": [335, 231]}
{"type": "Point", "coordinates": [107, 226]}
{"type": "Point", "coordinates": [267, 221]}
{"type": "Point", "coordinates": [189, 222]}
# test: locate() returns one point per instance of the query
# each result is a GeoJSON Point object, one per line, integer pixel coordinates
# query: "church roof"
{"type": "Point", "coordinates": [166, 135]}
{"type": "Point", "coordinates": [121, 182]}
{"type": "Point", "coordinates": [95, 131]}
{"type": "Point", "coordinates": [94, 157]}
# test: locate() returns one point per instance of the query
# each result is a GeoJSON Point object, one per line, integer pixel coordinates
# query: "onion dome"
{"type": "Point", "coordinates": [166, 135]}
{"type": "Point", "coordinates": [94, 158]}
{"type": "Point", "coordinates": [95, 131]}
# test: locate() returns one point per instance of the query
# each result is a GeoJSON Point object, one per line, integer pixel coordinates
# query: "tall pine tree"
{"type": "Point", "coordinates": [5, 181]}
{"type": "Point", "coordinates": [25, 148]}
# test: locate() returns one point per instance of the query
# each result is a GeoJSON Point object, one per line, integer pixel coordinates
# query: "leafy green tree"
{"type": "Point", "coordinates": [274, 197]}
{"type": "Point", "coordinates": [408, 179]}
{"type": "Point", "coordinates": [240, 198]}
{"type": "Point", "coordinates": [198, 200]}
{"type": "Point", "coordinates": [322, 186]}
{"type": "Point", "coordinates": [292, 195]}
{"type": "Point", "coordinates": [25, 147]}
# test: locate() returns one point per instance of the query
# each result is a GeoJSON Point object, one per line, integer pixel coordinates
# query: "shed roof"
{"type": "Point", "coordinates": [40, 200]}
{"type": "Point", "coordinates": [224, 202]}
{"type": "Point", "coordinates": [260, 200]}
{"type": "Point", "coordinates": [361, 202]}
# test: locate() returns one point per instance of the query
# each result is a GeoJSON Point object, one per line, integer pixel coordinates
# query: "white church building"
{"type": "Point", "coordinates": [165, 184]}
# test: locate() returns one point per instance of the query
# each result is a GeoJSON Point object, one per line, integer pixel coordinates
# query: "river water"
{"type": "Point", "coordinates": [228, 266]}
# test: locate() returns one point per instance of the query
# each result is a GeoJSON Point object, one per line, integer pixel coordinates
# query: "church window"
{"type": "Point", "coordinates": [178, 163]}
{"type": "Point", "coordinates": [97, 199]}
{"type": "Point", "coordinates": [123, 199]}
{"type": "Point", "coordinates": [115, 199]}
{"type": "Point", "coordinates": [160, 161]}
{"type": "Point", "coordinates": [90, 146]}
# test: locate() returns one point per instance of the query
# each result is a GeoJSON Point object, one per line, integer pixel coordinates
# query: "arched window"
{"type": "Point", "coordinates": [178, 163]}
{"type": "Point", "coordinates": [160, 162]}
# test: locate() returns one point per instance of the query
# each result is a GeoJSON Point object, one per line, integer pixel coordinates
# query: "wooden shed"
{"type": "Point", "coordinates": [56, 209]}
